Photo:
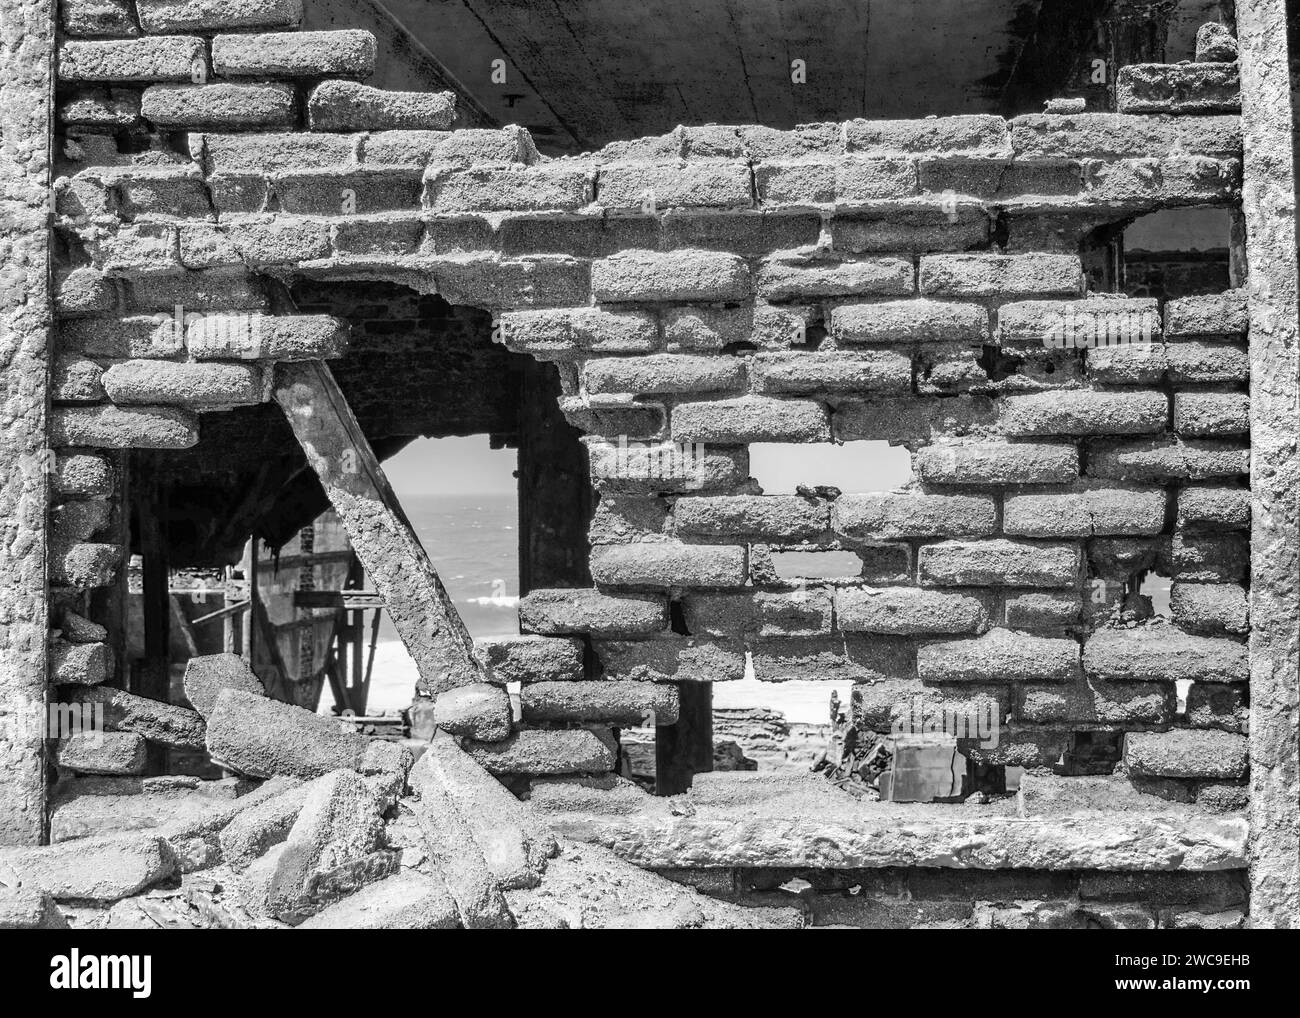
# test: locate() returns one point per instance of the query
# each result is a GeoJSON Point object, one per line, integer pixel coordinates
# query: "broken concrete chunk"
{"type": "Point", "coordinates": [29, 908]}
{"type": "Point", "coordinates": [207, 676]}
{"type": "Point", "coordinates": [152, 719]}
{"type": "Point", "coordinates": [533, 658]}
{"type": "Point", "coordinates": [80, 664]}
{"type": "Point", "coordinates": [77, 629]}
{"type": "Point", "coordinates": [256, 829]}
{"type": "Point", "coordinates": [546, 752]}
{"type": "Point", "coordinates": [102, 753]}
{"type": "Point", "coordinates": [92, 869]}
{"type": "Point", "coordinates": [481, 711]}
{"type": "Point", "coordinates": [404, 901]}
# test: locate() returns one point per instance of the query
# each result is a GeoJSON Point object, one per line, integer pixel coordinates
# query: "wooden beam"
{"type": "Point", "coordinates": [338, 599]}
{"type": "Point", "coordinates": [153, 677]}
{"type": "Point", "coordinates": [381, 535]}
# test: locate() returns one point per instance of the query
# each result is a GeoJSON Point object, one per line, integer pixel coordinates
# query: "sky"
{"type": "Point", "coordinates": [467, 466]}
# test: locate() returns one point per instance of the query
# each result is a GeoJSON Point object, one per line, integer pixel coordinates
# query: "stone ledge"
{"type": "Point", "coordinates": [739, 819]}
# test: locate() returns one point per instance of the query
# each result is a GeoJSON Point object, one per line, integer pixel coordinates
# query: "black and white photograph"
{"type": "Point", "coordinates": [638, 465]}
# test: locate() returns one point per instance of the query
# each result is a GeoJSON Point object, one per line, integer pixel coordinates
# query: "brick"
{"type": "Point", "coordinates": [532, 658]}
{"type": "Point", "coordinates": [642, 186]}
{"type": "Point", "coordinates": [1074, 324]}
{"type": "Point", "coordinates": [1214, 508]}
{"type": "Point", "coordinates": [998, 463]}
{"type": "Point", "coordinates": [908, 611]}
{"type": "Point", "coordinates": [1001, 181]}
{"type": "Point", "coordinates": [1194, 361]}
{"type": "Point", "coordinates": [620, 518]}
{"type": "Point", "coordinates": [1098, 703]}
{"type": "Point", "coordinates": [1186, 754]}
{"type": "Point", "coordinates": [82, 475]}
{"type": "Point", "coordinates": [1091, 510]}
{"type": "Point", "coordinates": [553, 612]}
{"type": "Point", "coordinates": [1036, 609]}
{"type": "Point", "coordinates": [1120, 136]}
{"type": "Point", "coordinates": [139, 247]}
{"type": "Point", "coordinates": [774, 518]}
{"type": "Point", "coordinates": [266, 337]}
{"type": "Point", "coordinates": [911, 321]}
{"type": "Point", "coordinates": [226, 289]}
{"type": "Point", "coordinates": [911, 419]}
{"type": "Point", "coordinates": [80, 664]}
{"type": "Point", "coordinates": [166, 192]}
{"type": "Point", "coordinates": [1127, 364]}
{"type": "Point", "coordinates": [839, 658]}
{"type": "Point", "coordinates": [626, 466]}
{"type": "Point", "coordinates": [919, 227]}
{"type": "Point", "coordinates": [303, 54]}
{"type": "Point", "coordinates": [1142, 184]}
{"type": "Point", "coordinates": [1000, 655]}
{"type": "Point", "coordinates": [806, 611]}
{"type": "Point", "coordinates": [751, 419]}
{"type": "Point", "coordinates": [480, 710]}
{"type": "Point", "coordinates": [110, 427]}
{"type": "Point", "coordinates": [760, 142]}
{"type": "Point", "coordinates": [1166, 459]}
{"type": "Point", "coordinates": [906, 706]}
{"type": "Point", "coordinates": [608, 701]}
{"type": "Point", "coordinates": [546, 752]}
{"type": "Point", "coordinates": [682, 275]}
{"type": "Point", "coordinates": [748, 233]}
{"type": "Point", "coordinates": [1215, 706]}
{"type": "Point", "coordinates": [196, 15]}
{"type": "Point", "coordinates": [220, 105]}
{"type": "Point", "coordinates": [573, 331]}
{"type": "Point", "coordinates": [367, 190]}
{"type": "Point", "coordinates": [664, 373]}
{"type": "Point", "coordinates": [1162, 653]}
{"type": "Point", "coordinates": [668, 565]}
{"type": "Point", "coordinates": [892, 517]}
{"type": "Point", "coordinates": [529, 282]}
{"type": "Point", "coordinates": [543, 188]}
{"type": "Point", "coordinates": [275, 153]}
{"type": "Point", "coordinates": [84, 565]}
{"type": "Point", "coordinates": [712, 329]}
{"type": "Point", "coordinates": [984, 275]}
{"type": "Point", "coordinates": [450, 148]}
{"type": "Point", "coordinates": [671, 659]}
{"type": "Point", "coordinates": [1084, 412]}
{"type": "Point", "coordinates": [114, 108]}
{"type": "Point", "coordinates": [84, 291]}
{"type": "Point", "coordinates": [801, 277]}
{"type": "Point", "coordinates": [282, 240]}
{"type": "Point", "coordinates": [382, 235]}
{"type": "Point", "coordinates": [97, 17]}
{"type": "Point", "coordinates": [76, 380]}
{"type": "Point", "coordinates": [158, 722]}
{"type": "Point", "coordinates": [160, 58]}
{"type": "Point", "coordinates": [1207, 414]}
{"type": "Point", "coordinates": [832, 372]}
{"type": "Point", "coordinates": [1219, 314]}
{"type": "Point", "coordinates": [1179, 88]}
{"type": "Point", "coordinates": [999, 563]}
{"type": "Point", "coordinates": [1209, 608]}
{"type": "Point", "coordinates": [102, 753]}
{"type": "Point", "coordinates": [350, 106]}
{"type": "Point", "coordinates": [972, 135]}
{"type": "Point", "coordinates": [194, 386]}
{"type": "Point", "coordinates": [632, 421]}
{"type": "Point", "coordinates": [1209, 558]}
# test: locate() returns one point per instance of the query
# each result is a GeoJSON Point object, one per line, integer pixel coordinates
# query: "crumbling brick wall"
{"type": "Point", "coordinates": [916, 282]}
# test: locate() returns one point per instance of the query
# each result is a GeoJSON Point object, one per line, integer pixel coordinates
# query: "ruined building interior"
{"type": "Point", "coordinates": [1041, 253]}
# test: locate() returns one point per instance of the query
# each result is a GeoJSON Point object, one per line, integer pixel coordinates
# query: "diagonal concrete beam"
{"type": "Point", "coordinates": [381, 535]}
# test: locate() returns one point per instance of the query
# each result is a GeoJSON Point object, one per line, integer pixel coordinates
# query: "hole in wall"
{"type": "Point", "coordinates": [853, 468]}
{"type": "Point", "coordinates": [817, 565]}
{"type": "Point", "coordinates": [1178, 253]}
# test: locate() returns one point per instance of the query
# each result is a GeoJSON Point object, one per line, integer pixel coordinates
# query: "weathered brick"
{"type": "Point", "coordinates": [706, 328]}
{"type": "Point", "coordinates": [1166, 459]}
{"type": "Point", "coordinates": [839, 658]}
{"type": "Point", "coordinates": [1162, 653]}
{"type": "Point", "coordinates": [76, 379]}
{"type": "Point", "coordinates": [275, 153]}
{"type": "Point", "coordinates": [669, 565]}
{"type": "Point", "coordinates": [972, 135]}
{"type": "Point", "coordinates": [1214, 508]}
{"type": "Point", "coordinates": [542, 188]}
{"type": "Point", "coordinates": [84, 565]}
{"type": "Point", "coordinates": [832, 372]}
{"type": "Point", "coordinates": [1040, 609]}
{"type": "Point", "coordinates": [892, 517]}
{"type": "Point", "coordinates": [102, 753]}
{"type": "Point", "coordinates": [573, 331]}
{"type": "Point", "coordinates": [1142, 184]}
{"type": "Point", "coordinates": [509, 144]}
{"type": "Point", "coordinates": [266, 337]}
{"type": "Point", "coordinates": [1219, 314]}
{"type": "Point", "coordinates": [671, 659]}
{"type": "Point", "coordinates": [1120, 136]}
{"type": "Point", "coordinates": [160, 58]}
{"type": "Point", "coordinates": [911, 321]}
{"type": "Point", "coordinates": [1209, 558]}
{"type": "Point", "coordinates": [908, 611]}
{"type": "Point", "coordinates": [537, 281]}
{"type": "Point", "coordinates": [138, 247]}
{"type": "Point", "coordinates": [610, 701]}
{"type": "Point", "coordinates": [304, 54]}
{"type": "Point", "coordinates": [773, 518]}
{"type": "Point", "coordinates": [623, 517]}
{"type": "Point", "coordinates": [194, 386]}
{"type": "Point", "coordinates": [994, 275]}
{"type": "Point", "coordinates": [664, 373]}
{"type": "Point", "coordinates": [365, 190]}
{"type": "Point", "coordinates": [532, 658]}
{"type": "Point", "coordinates": [650, 187]}
{"type": "Point", "coordinates": [657, 466]}
{"type": "Point", "coordinates": [1085, 412]}
{"type": "Point", "coordinates": [919, 227]}
{"type": "Point", "coordinates": [911, 419]}
{"type": "Point", "coordinates": [630, 421]}
{"type": "Point", "coordinates": [806, 611]}
{"type": "Point", "coordinates": [337, 105]}
{"type": "Point", "coordinates": [1209, 608]}
{"type": "Point", "coordinates": [1179, 88]}
{"type": "Point", "coordinates": [1186, 754]}
{"type": "Point", "coordinates": [196, 15]}
{"type": "Point", "coordinates": [110, 427]}
{"type": "Point", "coordinates": [279, 240]}
{"type": "Point", "coordinates": [83, 291]}
{"type": "Point", "coordinates": [1093, 702]}
{"type": "Point", "coordinates": [554, 612]}
{"type": "Point", "coordinates": [1000, 180]}
{"type": "Point", "coordinates": [1214, 706]}
{"type": "Point", "coordinates": [220, 105]}
{"type": "Point", "coordinates": [998, 463]}
{"type": "Point", "coordinates": [1090, 510]}
{"type": "Point", "coordinates": [97, 18]}
{"type": "Point", "coordinates": [1127, 364]}
{"type": "Point", "coordinates": [796, 277]}
{"type": "Point", "coordinates": [572, 751]}
{"type": "Point", "coordinates": [114, 108]}
{"type": "Point", "coordinates": [906, 706]}
{"type": "Point", "coordinates": [1206, 414]}
{"type": "Point", "coordinates": [80, 664]}
{"type": "Point", "coordinates": [82, 475]}
{"type": "Point", "coordinates": [1200, 362]}
{"type": "Point", "coordinates": [681, 275]}
{"type": "Point", "coordinates": [1000, 655]}
{"type": "Point", "coordinates": [751, 419]}
{"type": "Point", "coordinates": [999, 563]}
{"type": "Point", "coordinates": [748, 233]}
{"type": "Point", "coordinates": [1073, 324]}
{"type": "Point", "coordinates": [226, 289]}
